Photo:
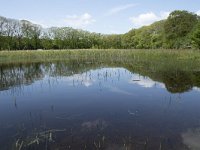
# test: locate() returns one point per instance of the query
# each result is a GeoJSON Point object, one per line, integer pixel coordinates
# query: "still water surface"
{"type": "Point", "coordinates": [55, 106]}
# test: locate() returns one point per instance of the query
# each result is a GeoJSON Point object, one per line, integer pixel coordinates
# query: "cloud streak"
{"type": "Point", "coordinates": [119, 9]}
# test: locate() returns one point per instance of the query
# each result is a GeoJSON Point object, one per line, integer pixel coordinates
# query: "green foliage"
{"type": "Point", "coordinates": [177, 28]}
{"type": "Point", "coordinates": [174, 33]}
{"type": "Point", "coordinates": [179, 24]}
{"type": "Point", "coordinates": [146, 37]}
{"type": "Point", "coordinates": [196, 36]}
{"type": "Point", "coordinates": [180, 30]}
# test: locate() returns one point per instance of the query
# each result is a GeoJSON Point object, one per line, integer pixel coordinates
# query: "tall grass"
{"type": "Point", "coordinates": [154, 59]}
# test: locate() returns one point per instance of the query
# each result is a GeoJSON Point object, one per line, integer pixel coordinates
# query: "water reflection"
{"type": "Point", "coordinates": [64, 105]}
{"type": "Point", "coordinates": [24, 74]}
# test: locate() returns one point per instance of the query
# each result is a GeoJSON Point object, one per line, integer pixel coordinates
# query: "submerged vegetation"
{"type": "Point", "coordinates": [180, 30]}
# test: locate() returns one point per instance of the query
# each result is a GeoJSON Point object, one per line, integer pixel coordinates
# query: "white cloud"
{"type": "Point", "coordinates": [198, 13]}
{"type": "Point", "coordinates": [79, 21]}
{"type": "Point", "coordinates": [148, 18]}
{"type": "Point", "coordinates": [118, 9]}
{"type": "Point", "coordinates": [164, 15]}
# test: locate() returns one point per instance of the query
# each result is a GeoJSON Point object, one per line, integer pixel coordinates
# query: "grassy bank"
{"type": "Point", "coordinates": [154, 59]}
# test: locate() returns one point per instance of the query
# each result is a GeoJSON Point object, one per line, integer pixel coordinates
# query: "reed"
{"type": "Point", "coordinates": [153, 59]}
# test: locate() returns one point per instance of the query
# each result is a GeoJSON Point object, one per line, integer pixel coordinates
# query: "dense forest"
{"type": "Point", "coordinates": [181, 30]}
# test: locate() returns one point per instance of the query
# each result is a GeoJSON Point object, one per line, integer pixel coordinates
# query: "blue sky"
{"type": "Point", "coordinates": [104, 16]}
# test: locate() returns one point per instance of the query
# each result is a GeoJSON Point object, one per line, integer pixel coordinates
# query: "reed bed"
{"type": "Point", "coordinates": [153, 59]}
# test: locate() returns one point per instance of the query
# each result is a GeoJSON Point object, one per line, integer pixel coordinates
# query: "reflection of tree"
{"type": "Point", "coordinates": [21, 74]}
{"type": "Point", "coordinates": [13, 75]}
{"type": "Point", "coordinates": [196, 78]}
{"type": "Point", "coordinates": [17, 75]}
{"type": "Point", "coordinates": [177, 82]}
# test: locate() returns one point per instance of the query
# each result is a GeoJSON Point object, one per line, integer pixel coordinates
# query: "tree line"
{"type": "Point", "coordinates": [180, 30]}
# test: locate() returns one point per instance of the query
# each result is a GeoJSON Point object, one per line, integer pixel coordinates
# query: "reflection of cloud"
{"type": "Point", "coordinates": [145, 82]}
{"type": "Point", "coordinates": [117, 90]}
{"type": "Point", "coordinates": [191, 138]}
{"type": "Point", "coordinates": [196, 89]}
{"type": "Point", "coordinates": [87, 83]}
{"type": "Point", "coordinates": [80, 79]}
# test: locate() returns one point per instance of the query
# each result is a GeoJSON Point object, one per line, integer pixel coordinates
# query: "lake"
{"type": "Point", "coordinates": [64, 105]}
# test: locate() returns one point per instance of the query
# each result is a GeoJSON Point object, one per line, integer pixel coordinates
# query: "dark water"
{"type": "Point", "coordinates": [60, 106]}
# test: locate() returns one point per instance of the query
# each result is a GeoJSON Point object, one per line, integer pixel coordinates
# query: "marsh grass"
{"type": "Point", "coordinates": [150, 59]}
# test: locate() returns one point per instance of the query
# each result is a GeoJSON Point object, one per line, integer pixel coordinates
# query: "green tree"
{"type": "Point", "coordinates": [196, 36]}
{"type": "Point", "coordinates": [178, 25]}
